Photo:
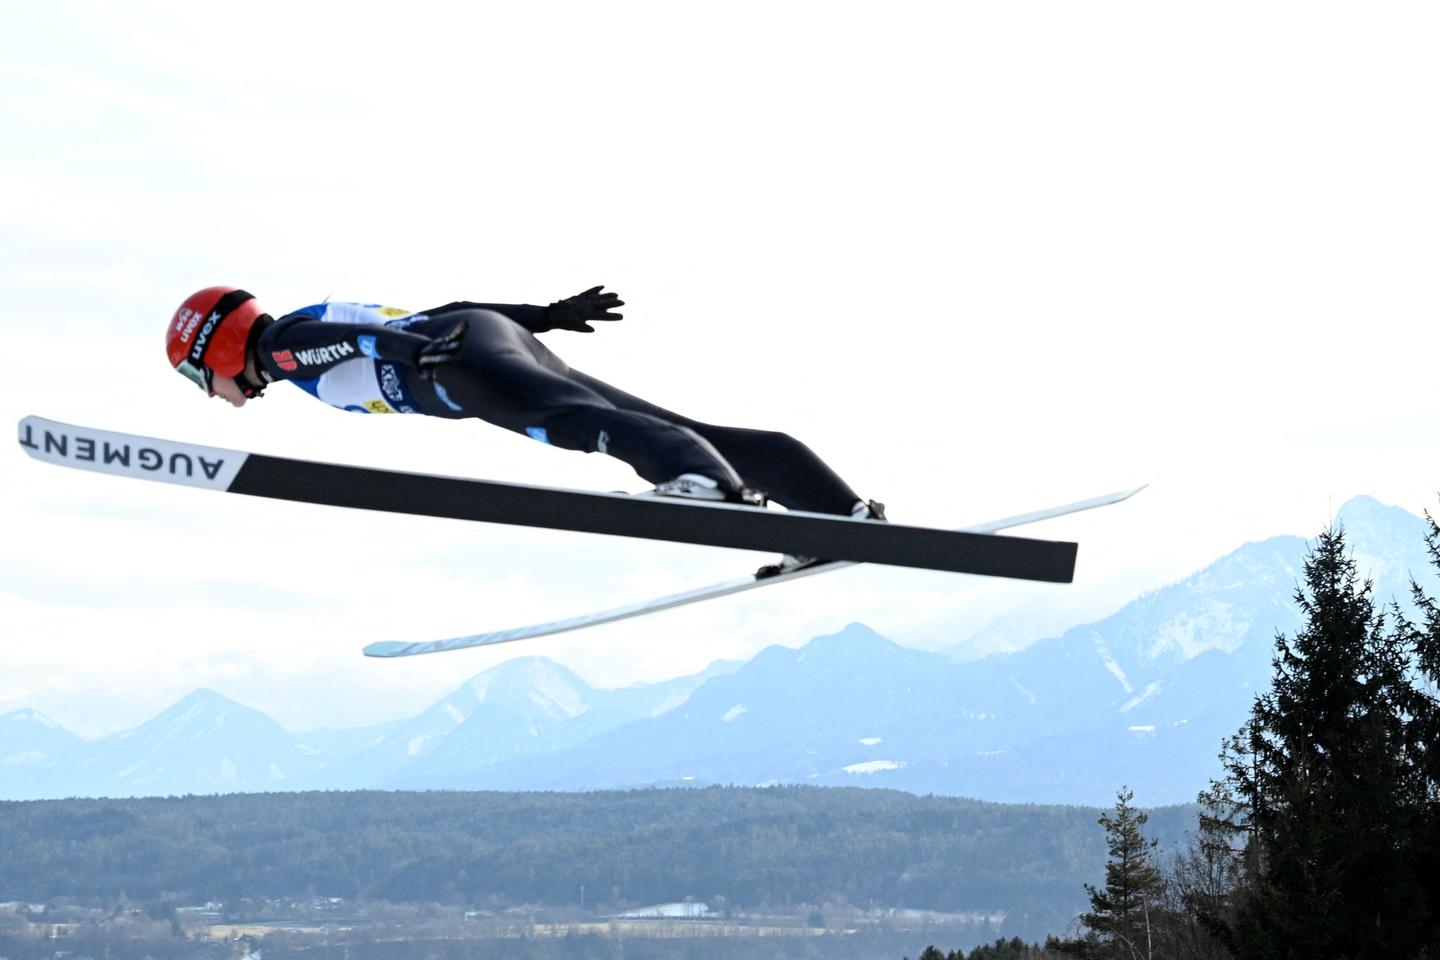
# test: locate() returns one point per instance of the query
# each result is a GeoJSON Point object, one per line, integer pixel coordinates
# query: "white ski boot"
{"type": "Point", "coordinates": [695, 486]}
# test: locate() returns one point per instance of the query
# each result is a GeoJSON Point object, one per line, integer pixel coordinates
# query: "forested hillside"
{"type": "Point", "coordinates": [754, 847]}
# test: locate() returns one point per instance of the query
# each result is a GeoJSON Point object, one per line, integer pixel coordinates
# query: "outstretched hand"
{"type": "Point", "coordinates": [575, 313]}
{"type": "Point", "coordinates": [441, 350]}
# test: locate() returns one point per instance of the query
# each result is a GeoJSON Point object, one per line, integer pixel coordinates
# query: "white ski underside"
{"type": "Point", "coordinates": [397, 648]}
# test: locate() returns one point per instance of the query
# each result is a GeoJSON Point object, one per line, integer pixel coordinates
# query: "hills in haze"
{"type": "Point", "coordinates": [1143, 697]}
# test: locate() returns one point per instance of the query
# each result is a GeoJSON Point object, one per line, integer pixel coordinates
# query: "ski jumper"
{"type": "Point", "coordinates": [363, 358]}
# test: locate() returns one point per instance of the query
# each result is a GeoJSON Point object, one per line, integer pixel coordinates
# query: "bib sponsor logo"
{"type": "Point", "coordinates": [393, 387]}
{"type": "Point", "coordinates": [378, 406]}
{"type": "Point", "coordinates": [390, 384]}
{"type": "Point", "coordinates": [317, 356]}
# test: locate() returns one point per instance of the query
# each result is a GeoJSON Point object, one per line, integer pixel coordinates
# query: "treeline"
{"type": "Point", "coordinates": [753, 847]}
{"type": "Point", "coordinates": [1002, 949]}
{"type": "Point", "coordinates": [1321, 835]}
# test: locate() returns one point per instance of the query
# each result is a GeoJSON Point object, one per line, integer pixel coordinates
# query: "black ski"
{"type": "Point", "coordinates": [680, 521]}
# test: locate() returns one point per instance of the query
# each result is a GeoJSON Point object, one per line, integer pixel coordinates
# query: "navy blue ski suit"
{"type": "Point", "coordinates": [363, 357]}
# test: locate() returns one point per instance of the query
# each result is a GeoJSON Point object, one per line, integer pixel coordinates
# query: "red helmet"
{"type": "Point", "coordinates": [210, 333]}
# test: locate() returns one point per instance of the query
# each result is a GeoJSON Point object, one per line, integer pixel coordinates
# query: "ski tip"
{"type": "Point", "coordinates": [26, 430]}
{"type": "Point", "coordinates": [386, 648]}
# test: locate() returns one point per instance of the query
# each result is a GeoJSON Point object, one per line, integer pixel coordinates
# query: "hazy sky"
{"type": "Point", "coordinates": [982, 257]}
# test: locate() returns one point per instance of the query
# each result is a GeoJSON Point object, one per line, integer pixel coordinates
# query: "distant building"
{"type": "Point", "coordinates": [669, 911]}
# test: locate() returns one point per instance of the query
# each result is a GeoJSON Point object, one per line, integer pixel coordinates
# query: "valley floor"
{"type": "Point", "coordinates": [407, 932]}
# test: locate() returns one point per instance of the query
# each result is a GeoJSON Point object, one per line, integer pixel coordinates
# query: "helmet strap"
{"type": "Point", "coordinates": [247, 387]}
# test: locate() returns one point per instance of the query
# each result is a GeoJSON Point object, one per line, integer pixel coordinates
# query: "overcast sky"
{"type": "Point", "coordinates": [984, 258]}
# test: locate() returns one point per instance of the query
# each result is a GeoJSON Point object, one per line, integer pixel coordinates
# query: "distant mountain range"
{"type": "Point", "coordinates": [1142, 698]}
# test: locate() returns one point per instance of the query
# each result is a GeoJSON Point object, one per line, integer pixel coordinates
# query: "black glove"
{"type": "Point", "coordinates": [575, 313]}
{"type": "Point", "coordinates": [441, 350]}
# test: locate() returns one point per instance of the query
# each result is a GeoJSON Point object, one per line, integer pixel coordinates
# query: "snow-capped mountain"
{"type": "Point", "coordinates": [205, 743]}
{"type": "Point", "coordinates": [532, 706]}
{"type": "Point", "coordinates": [34, 752]}
{"type": "Point", "coordinates": [523, 704]}
{"type": "Point", "coordinates": [1141, 698]}
{"type": "Point", "coordinates": [788, 715]}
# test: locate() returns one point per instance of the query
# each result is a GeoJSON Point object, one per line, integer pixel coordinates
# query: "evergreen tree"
{"type": "Point", "coordinates": [1425, 743]}
{"type": "Point", "coordinates": [1002, 949]}
{"type": "Point", "coordinates": [1123, 915]}
{"type": "Point", "coordinates": [1320, 785]}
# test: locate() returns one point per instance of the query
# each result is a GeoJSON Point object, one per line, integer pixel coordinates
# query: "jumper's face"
{"type": "Point", "coordinates": [227, 389]}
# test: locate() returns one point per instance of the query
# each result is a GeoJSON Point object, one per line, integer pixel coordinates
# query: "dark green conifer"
{"type": "Point", "coordinates": [1123, 914]}
{"type": "Point", "coordinates": [1425, 748]}
{"type": "Point", "coordinates": [1323, 783]}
